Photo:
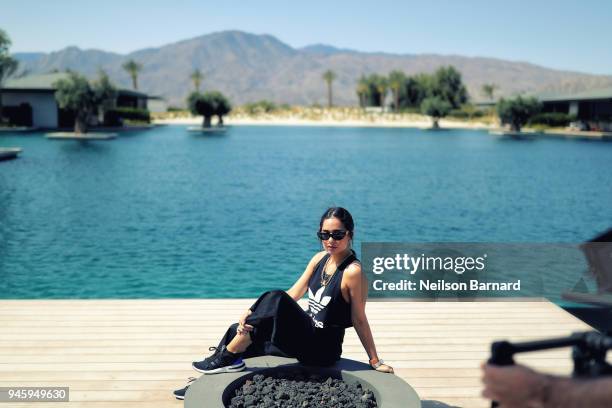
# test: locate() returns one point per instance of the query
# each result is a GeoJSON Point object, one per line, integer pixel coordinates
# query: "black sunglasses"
{"type": "Point", "coordinates": [335, 234]}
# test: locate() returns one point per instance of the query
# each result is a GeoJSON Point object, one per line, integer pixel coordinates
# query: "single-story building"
{"type": "Point", "coordinates": [32, 99]}
{"type": "Point", "coordinates": [156, 104]}
{"type": "Point", "coordinates": [593, 107]}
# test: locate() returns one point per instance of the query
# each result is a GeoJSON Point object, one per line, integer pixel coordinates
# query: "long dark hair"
{"type": "Point", "coordinates": [343, 215]}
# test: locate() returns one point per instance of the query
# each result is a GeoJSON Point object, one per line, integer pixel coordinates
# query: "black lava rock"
{"type": "Point", "coordinates": [301, 391]}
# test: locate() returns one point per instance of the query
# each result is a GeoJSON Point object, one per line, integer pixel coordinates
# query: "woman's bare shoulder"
{"type": "Point", "coordinates": [317, 257]}
{"type": "Point", "coordinates": [353, 269]}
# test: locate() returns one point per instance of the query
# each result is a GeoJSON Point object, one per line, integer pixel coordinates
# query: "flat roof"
{"type": "Point", "coordinates": [44, 83]}
{"type": "Point", "coordinates": [35, 82]}
{"type": "Point", "coordinates": [593, 94]}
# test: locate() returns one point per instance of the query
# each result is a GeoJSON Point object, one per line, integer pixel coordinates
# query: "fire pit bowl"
{"type": "Point", "coordinates": [215, 391]}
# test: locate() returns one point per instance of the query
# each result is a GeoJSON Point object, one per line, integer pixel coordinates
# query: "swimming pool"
{"type": "Point", "coordinates": [168, 213]}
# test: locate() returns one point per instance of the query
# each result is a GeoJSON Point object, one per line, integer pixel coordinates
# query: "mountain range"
{"type": "Point", "coordinates": [249, 67]}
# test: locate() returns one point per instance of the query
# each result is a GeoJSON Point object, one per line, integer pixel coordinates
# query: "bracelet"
{"type": "Point", "coordinates": [378, 363]}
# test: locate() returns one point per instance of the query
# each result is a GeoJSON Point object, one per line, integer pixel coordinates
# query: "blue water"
{"type": "Point", "coordinates": [166, 213]}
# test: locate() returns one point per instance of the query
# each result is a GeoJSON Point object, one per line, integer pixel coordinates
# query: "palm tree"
{"type": "Point", "coordinates": [382, 85]}
{"type": "Point", "coordinates": [488, 90]}
{"type": "Point", "coordinates": [196, 77]}
{"type": "Point", "coordinates": [133, 68]}
{"type": "Point", "coordinates": [397, 79]}
{"type": "Point", "coordinates": [329, 76]}
{"type": "Point", "coordinates": [363, 89]}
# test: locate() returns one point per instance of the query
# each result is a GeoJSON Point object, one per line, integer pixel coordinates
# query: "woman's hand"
{"type": "Point", "coordinates": [384, 368]}
{"type": "Point", "coordinates": [244, 328]}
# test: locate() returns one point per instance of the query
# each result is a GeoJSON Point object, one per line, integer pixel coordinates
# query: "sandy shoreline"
{"type": "Point", "coordinates": [375, 122]}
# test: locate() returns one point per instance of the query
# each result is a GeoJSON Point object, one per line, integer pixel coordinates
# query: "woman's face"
{"type": "Point", "coordinates": [331, 245]}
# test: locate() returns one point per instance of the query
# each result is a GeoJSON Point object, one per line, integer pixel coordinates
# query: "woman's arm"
{"type": "Point", "coordinates": [301, 285]}
{"type": "Point", "coordinates": [296, 291]}
{"type": "Point", "coordinates": [357, 286]}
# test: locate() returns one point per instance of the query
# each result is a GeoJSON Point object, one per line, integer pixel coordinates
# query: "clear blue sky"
{"type": "Point", "coordinates": [572, 35]}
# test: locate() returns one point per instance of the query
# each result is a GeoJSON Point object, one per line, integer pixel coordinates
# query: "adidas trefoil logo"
{"type": "Point", "coordinates": [315, 302]}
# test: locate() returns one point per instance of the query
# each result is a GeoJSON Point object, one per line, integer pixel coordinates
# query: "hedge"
{"type": "Point", "coordinates": [116, 116]}
{"type": "Point", "coordinates": [464, 114]}
{"type": "Point", "coordinates": [553, 119]}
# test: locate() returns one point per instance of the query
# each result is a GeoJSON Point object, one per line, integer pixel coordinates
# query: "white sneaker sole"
{"type": "Point", "coordinates": [227, 369]}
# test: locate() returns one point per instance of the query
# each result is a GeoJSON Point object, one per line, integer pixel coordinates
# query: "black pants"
{"type": "Point", "coordinates": [283, 328]}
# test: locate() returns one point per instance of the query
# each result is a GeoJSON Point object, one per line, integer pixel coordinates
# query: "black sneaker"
{"type": "Point", "coordinates": [180, 394]}
{"type": "Point", "coordinates": [222, 361]}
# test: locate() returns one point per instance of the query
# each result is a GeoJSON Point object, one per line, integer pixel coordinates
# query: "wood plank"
{"type": "Point", "coordinates": [135, 357]}
{"type": "Point", "coordinates": [132, 353]}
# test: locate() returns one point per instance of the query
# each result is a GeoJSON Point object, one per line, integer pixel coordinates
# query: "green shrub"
{"type": "Point", "coordinates": [458, 114]}
{"type": "Point", "coordinates": [258, 107]}
{"type": "Point", "coordinates": [116, 116]}
{"type": "Point", "coordinates": [77, 94]}
{"type": "Point", "coordinates": [467, 112]}
{"type": "Point", "coordinates": [436, 107]}
{"type": "Point", "coordinates": [412, 109]}
{"type": "Point", "coordinates": [552, 119]}
{"type": "Point", "coordinates": [209, 104]}
{"type": "Point", "coordinates": [516, 112]}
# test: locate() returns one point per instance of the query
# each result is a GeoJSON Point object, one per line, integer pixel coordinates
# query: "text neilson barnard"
{"type": "Point", "coordinates": [442, 285]}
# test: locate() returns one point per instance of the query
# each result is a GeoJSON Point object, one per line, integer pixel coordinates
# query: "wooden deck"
{"type": "Point", "coordinates": [133, 353]}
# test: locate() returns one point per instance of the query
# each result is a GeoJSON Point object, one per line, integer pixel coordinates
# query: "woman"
{"type": "Point", "coordinates": [277, 325]}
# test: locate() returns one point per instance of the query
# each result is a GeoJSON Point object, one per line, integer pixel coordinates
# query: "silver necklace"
{"type": "Point", "coordinates": [325, 278]}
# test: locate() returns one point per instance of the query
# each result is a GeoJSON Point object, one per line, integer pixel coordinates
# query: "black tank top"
{"type": "Point", "coordinates": [326, 306]}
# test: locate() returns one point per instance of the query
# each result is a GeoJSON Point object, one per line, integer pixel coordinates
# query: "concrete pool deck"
{"type": "Point", "coordinates": [553, 133]}
{"type": "Point", "coordinates": [133, 353]}
{"type": "Point", "coordinates": [82, 137]}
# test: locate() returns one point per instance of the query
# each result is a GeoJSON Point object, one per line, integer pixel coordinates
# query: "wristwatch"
{"type": "Point", "coordinates": [378, 363]}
